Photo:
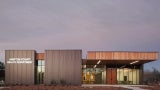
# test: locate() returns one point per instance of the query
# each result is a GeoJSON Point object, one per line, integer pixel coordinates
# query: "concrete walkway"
{"type": "Point", "coordinates": [132, 87]}
{"type": "Point", "coordinates": [1, 88]}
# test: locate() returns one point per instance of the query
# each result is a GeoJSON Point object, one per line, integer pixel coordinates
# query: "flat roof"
{"type": "Point", "coordinates": [119, 57]}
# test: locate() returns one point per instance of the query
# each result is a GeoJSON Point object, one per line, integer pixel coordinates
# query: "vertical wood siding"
{"type": "Point", "coordinates": [122, 55]}
{"type": "Point", "coordinates": [111, 74]}
{"type": "Point", "coordinates": [19, 73]}
{"type": "Point", "coordinates": [63, 65]}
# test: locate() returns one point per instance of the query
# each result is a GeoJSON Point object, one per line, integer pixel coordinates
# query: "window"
{"type": "Point", "coordinates": [40, 71]}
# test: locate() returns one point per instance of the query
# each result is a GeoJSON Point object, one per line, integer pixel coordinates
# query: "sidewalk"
{"type": "Point", "coordinates": [132, 87]}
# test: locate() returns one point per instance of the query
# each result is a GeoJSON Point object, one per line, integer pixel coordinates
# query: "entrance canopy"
{"type": "Point", "coordinates": [119, 58]}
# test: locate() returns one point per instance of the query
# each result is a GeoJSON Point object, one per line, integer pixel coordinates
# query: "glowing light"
{"type": "Point", "coordinates": [134, 62]}
{"type": "Point", "coordinates": [98, 62]}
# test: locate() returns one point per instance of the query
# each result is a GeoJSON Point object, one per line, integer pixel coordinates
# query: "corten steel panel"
{"type": "Point", "coordinates": [63, 65]}
{"type": "Point", "coordinates": [19, 73]}
{"type": "Point", "coordinates": [39, 56]}
{"type": "Point", "coordinates": [118, 55]}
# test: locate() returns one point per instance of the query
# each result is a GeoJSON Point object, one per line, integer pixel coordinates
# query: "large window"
{"type": "Point", "coordinates": [127, 76]}
{"type": "Point", "coordinates": [103, 74]}
{"type": "Point", "coordinates": [94, 75]}
{"type": "Point", "coordinates": [40, 71]}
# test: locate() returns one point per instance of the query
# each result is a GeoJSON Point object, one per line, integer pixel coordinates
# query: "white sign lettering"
{"type": "Point", "coordinates": [19, 60]}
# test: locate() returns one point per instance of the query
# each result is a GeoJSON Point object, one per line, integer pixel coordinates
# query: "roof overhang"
{"type": "Point", "coordinates": [119, 57]}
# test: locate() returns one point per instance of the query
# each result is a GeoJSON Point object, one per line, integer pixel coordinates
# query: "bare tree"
{"type": "Point", "coordinates": [152, 77]}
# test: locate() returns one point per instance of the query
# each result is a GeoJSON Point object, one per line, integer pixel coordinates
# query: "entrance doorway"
{"type": "Point", "coordinates": [111, 76]}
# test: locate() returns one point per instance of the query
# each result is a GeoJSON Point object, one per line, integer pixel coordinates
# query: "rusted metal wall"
{"type": "Point", "coordinates": [39, 56]}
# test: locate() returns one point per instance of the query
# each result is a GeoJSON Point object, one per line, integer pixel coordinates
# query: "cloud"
{"type": "Point", "coordinates": [109, 22]}
{"type": "Point", "coordinates": [90, 25]}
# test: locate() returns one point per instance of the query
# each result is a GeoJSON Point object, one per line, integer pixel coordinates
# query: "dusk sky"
{"type": "Point", "coordinates": [101, 25]}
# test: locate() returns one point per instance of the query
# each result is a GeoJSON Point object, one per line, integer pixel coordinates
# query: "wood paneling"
{"type": "Point", "coordinates": [104, 55]}
{"type": "Point", "coordinates": [114, 76]}
{"type": "Point", "coordinates": [63, 65]}
{"type": "Point", "coordinates": [111, 76]}
{"type": "Point", "coordinates": [19, 73]}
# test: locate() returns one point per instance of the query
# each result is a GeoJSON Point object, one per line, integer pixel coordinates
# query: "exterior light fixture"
{"type": "Point", "coordinates": [98, 62]}
{"type": "Point", "coordinates": [134, 62]}
{"type": "Point", "coordinates": [123, 66]}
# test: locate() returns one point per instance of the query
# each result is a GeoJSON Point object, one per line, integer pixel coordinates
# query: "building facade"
{"type": "Point", "coordinates": [57, 66]}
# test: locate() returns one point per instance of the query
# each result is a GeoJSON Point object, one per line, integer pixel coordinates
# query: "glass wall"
{"type": "Point", "coordinates": [40, 71]}
{"type": "Point", "coordinates": [93, 75]}
{"type": "Point", "coordinates": [128, 76]}
{"type": "Point", "coordinates": [124, 74]}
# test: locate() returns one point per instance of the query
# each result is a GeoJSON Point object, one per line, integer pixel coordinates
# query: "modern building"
{"type": "Point", "coordinates": [56, 66]}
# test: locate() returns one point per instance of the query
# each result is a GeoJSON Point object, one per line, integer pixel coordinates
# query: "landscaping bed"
{"type": "Point", "coordinates": [59, 87]}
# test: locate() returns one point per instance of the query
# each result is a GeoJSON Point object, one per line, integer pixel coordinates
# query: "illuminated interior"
{"type": "Point", "coordinates": [93, 75]}
{"type": "Point", "coordinates": [128, 76]}
{"type": "Point", "coordinates": [40, 71]}
{"type": "Point", "coordinates": [101, 74]}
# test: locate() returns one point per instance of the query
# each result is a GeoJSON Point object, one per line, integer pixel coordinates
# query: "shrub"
{"type": "Point", "coordinates": [63, 82]}
{"type": "Point", "coordinates": [53, 82]}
